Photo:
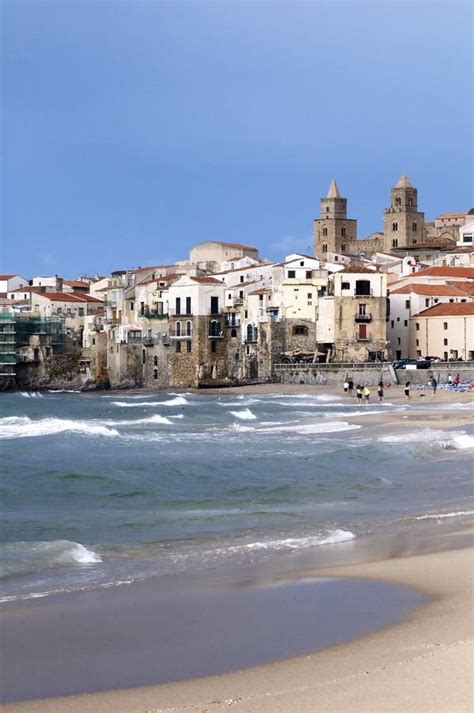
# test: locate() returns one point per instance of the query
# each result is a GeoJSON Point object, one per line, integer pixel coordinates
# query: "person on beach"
{"type": "Point", "coordinates": [351, 386]}
{"type": "Point", "coordinates": [407, 391]}
{"type": "Point", "coordinates": [359, 392]}
{"type": "Point", "coordinates": [346, 386]}
{"type": "Point", "coordinates": [450, 380]}
{"type": "Point", "coordinates": [457, 380]}
{"type": "Point", "coordinates": [366, 394]}
{"type": "Point", "coordinates": [380, 391]}
{"type": "Point", "coordinates": [434, 384]}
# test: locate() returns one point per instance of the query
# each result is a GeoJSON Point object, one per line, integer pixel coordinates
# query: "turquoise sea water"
{"type": "Point", "coordinates": [102, 489]}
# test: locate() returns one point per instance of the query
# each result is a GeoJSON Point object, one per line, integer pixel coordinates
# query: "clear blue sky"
{"type": "Point", "coordinates": [133, 130]}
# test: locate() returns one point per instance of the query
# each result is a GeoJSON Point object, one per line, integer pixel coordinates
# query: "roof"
{"type": "Point", "coordinates": [239, 246]}
{"type": "Point", "coordinates": [7, 277]}
{"type": "Point", "coordinates": [261, 291]}
{"type": "Point", "coordinates": [443, 216]}
{"type": "Point", "coordinates": [76, 283]}
{"type": "Point", "coordinates": [436, 244]}
{"type": "Point", "coordinates": [403, 182]}
{"type": "Point", "coordinates": [466, 272]}
{"type": "Point", "coordinates": [464, 249]}
{"type": "Point", "coordinates": [428, 290]}
{"type": "Point", "coordinates": [355, 269]}
{"type": "Point", "coordinates": [67, 297]}
{"type": "Point", "coordinates": [333, 191]}
{"type": "Point", "coordinates": [466, 287]}
{"type": "Point", "coordinates": [449, 309]}
{"type": "Point", "coordinates": [207, 281]}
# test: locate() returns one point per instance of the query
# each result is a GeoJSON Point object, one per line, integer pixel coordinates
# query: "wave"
{"type": "Point", "coordinates": [156, 418]}
{"type": "Point", "coordinates": [31, 394]}
{"type": "Point", "coordinates": [24, 427]}
{"type": "Point", "coordinates": [294, 543]}
{"type": "Point", "coordinates": [23, 557]}
{"type": "Point", "coordinates": [245, 414]}
{"type": "Point", "coordinates": [64, 391]}
{"type": "Point", "coordinates": [177, 401]}
{"type": "Point", "coordinates": [443, 515]}
{"type": "Point", "coordinates": [307, 428]}
{"type": "Point", "coordinates": [456, 440]}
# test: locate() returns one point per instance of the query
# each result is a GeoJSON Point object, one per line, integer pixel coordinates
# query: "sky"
{"type": "Point", "coordinates": [130, 131]}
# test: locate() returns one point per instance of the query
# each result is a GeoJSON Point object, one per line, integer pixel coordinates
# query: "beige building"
{"type": "Point", "coordinates": [351, 322]}
{"type": "Point", "coordinates": [403, 222]}
{"type": "Point", "coordinates": [445, 331]}
{"type": "Point", "coordinates": [214, 253]}
{"type": "Point", "coordinates": [333, 230]}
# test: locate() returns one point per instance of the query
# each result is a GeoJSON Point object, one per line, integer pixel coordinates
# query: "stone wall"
{"type": "Point", "coordinates": [367, 376]}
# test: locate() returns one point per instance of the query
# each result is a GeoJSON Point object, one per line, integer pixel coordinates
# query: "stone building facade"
{"type": "Point", "coordinates": [333, 230]}
{"type": "Point", "coordinates": [403, 224]}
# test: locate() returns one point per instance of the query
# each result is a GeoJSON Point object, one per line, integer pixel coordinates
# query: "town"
{"type": "Point", "coordinates": [225, 316]}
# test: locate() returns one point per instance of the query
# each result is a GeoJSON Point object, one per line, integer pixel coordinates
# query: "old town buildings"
{"type": "Point", "coordinates": [226, 316]}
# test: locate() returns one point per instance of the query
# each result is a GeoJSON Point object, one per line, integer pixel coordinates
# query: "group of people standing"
{"type": "Point", "coordinates": [362, 392]}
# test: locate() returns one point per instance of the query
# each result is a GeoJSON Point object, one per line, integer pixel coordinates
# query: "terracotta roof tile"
{"type": "Point", "coordinates": [466, 272]}
{"type": "Point", "coordinates": [449, 309]}
{"type": "Point", "coordinates": [428, 290]}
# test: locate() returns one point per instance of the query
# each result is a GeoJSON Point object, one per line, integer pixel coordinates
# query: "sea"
{"type": "Point", "coordinates": [102, 490]}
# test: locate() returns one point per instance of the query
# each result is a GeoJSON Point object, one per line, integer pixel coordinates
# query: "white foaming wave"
{"type": "Point", "coordinates": [31, 394]}
{"type": "Point", "coordinates": [443, 515]}
{"type": "Point", "coordinates": [64, 391]}
{"type": "Point", "coordinates": [178, 415]}
{"type": "Point", "coordinates": [458, 440]}
{"type": "Point", "coordinates": [239, 428]}
{"type": "Point", "coordinates": [177, 401]}
{"type": "Point", "coordinates": [314, 397]}
{"type": "Point", "coordinates": [244, 415]}
{"type": "Point", "coordinates": [332, 537]}
{"type": "Point", "coordinates": [138, 421]}
{"type": "Point", "coordinates": [315, 427]}
{"type": "Point", "coordinates": [24, 427]}
{"type": "Point", "coordinates": [22, 557]}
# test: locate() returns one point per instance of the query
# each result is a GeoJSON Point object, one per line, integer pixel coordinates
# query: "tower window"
{"type": "Point", "coordinates": [414, 227]}
{"type": "Point", "coordinates": [327, 209]}
{"type": "Point", "coordinates": [325, 231]}
{"type": "Point", "coordinates": [343, 231]}
{"type": "Point", "coordinates": [394, 227]}
{"type": "Point", "coordinates": [410, 201]}
{"type": "Point", "coordinates": [394, 243]}
{"type": "Point", "coordinates": [325, 248]}
{"type": "Point", "coordinates": [398, 201]}
{"type": "Point", "coordinates": [343, 247]}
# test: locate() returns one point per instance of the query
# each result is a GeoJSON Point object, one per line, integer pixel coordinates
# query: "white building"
{"type": "Point", "coordinates": [11, 282]}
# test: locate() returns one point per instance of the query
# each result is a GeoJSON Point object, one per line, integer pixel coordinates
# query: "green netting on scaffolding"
{"type": "Point", "coordinates": [50, 328]}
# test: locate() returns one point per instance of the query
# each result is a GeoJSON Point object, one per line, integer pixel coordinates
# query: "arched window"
{"type": "Point", "coordinates": [343, 231]}
{"type": "Point", "coordinates": [249, 332]}
{"type": "Point", "coordinates": [214, 328]}
{"type": "Point", "coordinates": [394, 243]}
{"type": "Point", "coordinates": [394, 227]}
{"type": "Point", "coordinates": [325, 248]}
{"type": "Point", "coordinates": [414, 227]}
{"type": "Point", "coordinates": [300, 330]}
{"type": "Point", "coordinates": [343, 248]}
{"type": "Point", "coordinates": [255, 334]}
{"type": "Point", "coordinates": [398, 201]}
{"type": "Point", "coordinates": [325, 231]}
{"type": "Point", "coordinates": [410, 201]}
{"type": "Point", "coordinates": [178, 329]}
{"type": "Point", "coordinates": [189, 328]}
{"type": "Point", "coordinates": [155, 373]}
{"type": "Point", "coordinates": [233, 333]}
{"type": "Point", "coordinates": [155, 360]}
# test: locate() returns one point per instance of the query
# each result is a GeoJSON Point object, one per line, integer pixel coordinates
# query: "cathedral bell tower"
{"type": "Point", "coordinates": [403, 224]}
{"type": "Point", "coordinates": [333, 230]}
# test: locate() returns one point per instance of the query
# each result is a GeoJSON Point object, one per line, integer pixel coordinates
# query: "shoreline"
{"type": "Point", "coordinates": [348, 677]}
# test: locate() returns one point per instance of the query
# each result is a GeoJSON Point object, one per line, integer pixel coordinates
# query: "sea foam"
{"type": "Point", "coordinates": [177, 401]}
{"type": "Point", "coordinates": [245, 414]}
{"type": "Point", "coordinates": [24, 427]}
{"type": "Point", "coordinates": [22, 557]}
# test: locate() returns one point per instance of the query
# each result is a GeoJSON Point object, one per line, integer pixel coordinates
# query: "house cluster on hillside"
{"type": "Point", "coordinates": [225, 316]}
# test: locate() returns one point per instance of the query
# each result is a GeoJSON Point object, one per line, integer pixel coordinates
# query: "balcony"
{"type": "Point", "coordinates": [363, 318]}
{"type": "Point", "coordinates": [215, 334]}
{"type": "Point", "coordinates": [182, 312]}
{"type": "Point", "coordinates": [235, 322]}
{"type": "Point", "coordinates": [155, 315]}
{"type": "Point", "coordinates": [175, 334]}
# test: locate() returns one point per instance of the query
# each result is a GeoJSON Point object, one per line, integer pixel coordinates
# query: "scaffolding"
{"type": "Point", "coordinates": [16, 332]}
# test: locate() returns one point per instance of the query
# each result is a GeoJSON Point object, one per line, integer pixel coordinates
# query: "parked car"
{"type": "Point", "coordinates": [412, 363]}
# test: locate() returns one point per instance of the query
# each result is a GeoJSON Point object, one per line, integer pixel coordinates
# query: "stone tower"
{"type": "Point", "coordinates": [333, 230]}
{"type": "Point", "coordinates": [403, 224]}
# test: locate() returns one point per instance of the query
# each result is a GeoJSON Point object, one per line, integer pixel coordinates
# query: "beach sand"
{"type": "Point", "coordinates": [423, 665]}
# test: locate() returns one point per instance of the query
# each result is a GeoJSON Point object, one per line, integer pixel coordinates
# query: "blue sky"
{"type": "Point", "coordinates": [133, 130]}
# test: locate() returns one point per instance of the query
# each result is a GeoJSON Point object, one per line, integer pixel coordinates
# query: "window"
{"type": "Point", "coordinates": [410, 201]}
{"type": "Point", "coordinates": [395, 243]}
{"type": "Point", "coordinates": [362, 287]}
{"type": "Point", "coordinates": [59, 310]}
{"type": "Point", "coordinates": [427, 303]}
{"type": "Point", "coordinates": [310, 295]}
{"type": "Point", "coordinates": [214, 328]}
{"type": "Point", "coordinates": [189, 328]}
{"type": "Point", "coordinates": [405, 323]}
{"type": "Point", "coordinates": [300, 330]}
{"type": "Point", "coordinates": [417, 342]}
{"type": "Point", "coordinates": [445, 342]}
{"type": "Point", "coordinates": [93, 344]}
{"type": "Point", "coordinates": [362, 309]}
{"type": "Point", "coordinates": [178, 305]}
{"type": "Point", "coordinates": [343, 231]}
{"type": "Point", "coordinates": [143, 356]}
{"type": "Point", "coordinates": [407, 304]}
{"type": "Point", "coordinates": [417, 326]}
{"type": "Point", "coordinates": [413, 240]}
{"type": "Point", "coordinates": [392, 324]}
{"type": "Point", "coordinates": [188, 346]}
{"type": "Point", "coordinates": [325, 248]}
{"type": "Point", "coordinates": [155, 360]}
{"type": "Point", "coordinates": [178, 329]}
{"type": "Point", "coordinates": [246, 314]}
{"type": "Point", "coordinates": [345, 285]}
{"type": "Point", "coordinates": [291, 274]}
{"type": "Point", "coordinates": [414, 227]}
{"type": "Point", "coordinates": [399, 340]}
{"type": "Point", "coordinates": [241, 294]}
{"type": "Point", "coordinates": [233, 334]}
{"type": "Point", "coordinates": [325, 232]}
{"type": "Point", "coordinates": [362, 331]}
{"type": "Point", "coordinates": [308, 274]}
{"type": "Point", "coordinates": [81, 311]}
{"type": "Point", "coordinates": [142, 308]}
{"type": "Point", "coordinates": [132, 306]}
{"type": "Point", "coordinates": [155, 374]}
{"type": "Point", "coordinates": [398, 201]}
{"type": "Point", "coordinates": [445, 325]}
{"type": "Point", "coordinates": [260, 297]}
{"type": "Point", "coordinates": [394, 227]}
{"type": "Point", "coordinates": [188, 305]}
{"type": "Point", "coordinates": [213, 346]}
{"type": "Point", "coordinates": [214, 305]}
{"type": "Point", "coordinates": [178, 347]}
{"type": "Point", "coordinates": [327, 209]}
{"type": "Point", "coordinates": [343, 248]}
{"type": "Point", "coordinates": [241, 278]}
